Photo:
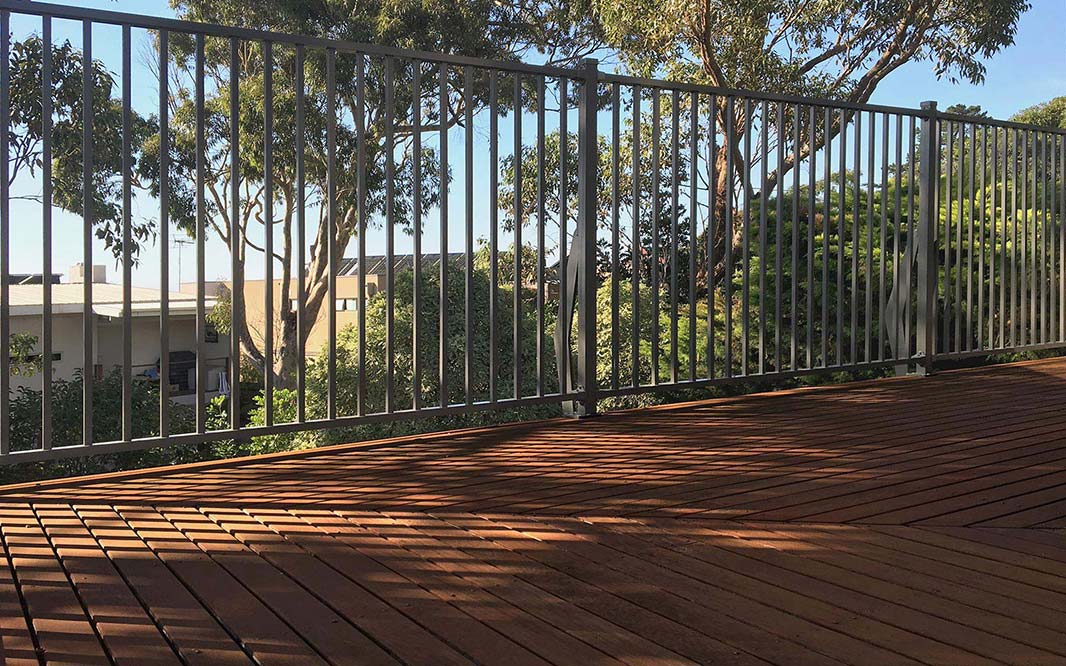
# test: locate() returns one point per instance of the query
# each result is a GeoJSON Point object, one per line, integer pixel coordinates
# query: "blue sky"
{"type": "Point", "coordinates": [1031, 71]}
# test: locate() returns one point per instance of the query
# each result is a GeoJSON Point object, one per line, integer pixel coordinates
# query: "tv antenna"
{"type": "Point", "coordinates": [180, 243]}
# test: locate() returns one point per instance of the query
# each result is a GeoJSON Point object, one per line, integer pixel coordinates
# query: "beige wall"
{"type": "Point", "coordinates": [255, 307]}
{"type": "Point", "coordinates": [66, 340]}
{"type": "Point", "coordinates": [108, 344]}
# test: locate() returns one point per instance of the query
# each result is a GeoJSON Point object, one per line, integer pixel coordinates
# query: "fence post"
{"type": "Point", "coordinates": [587, 168]}
{"type": "Point", "coordinates": [926, 251]}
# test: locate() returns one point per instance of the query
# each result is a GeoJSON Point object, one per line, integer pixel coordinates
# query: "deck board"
{"type": "Point", "coordinates": [910, 521]}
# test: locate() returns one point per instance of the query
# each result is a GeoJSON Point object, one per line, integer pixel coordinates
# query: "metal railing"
{"type": "Point", "coordinates": [616, 235]}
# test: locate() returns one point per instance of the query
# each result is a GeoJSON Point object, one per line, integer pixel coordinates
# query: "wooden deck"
{"type": "Point", "coordinates": [912, 521]}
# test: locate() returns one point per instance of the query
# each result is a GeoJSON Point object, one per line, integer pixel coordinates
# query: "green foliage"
{"type": "Point", "coordinates": [429, 388]}
{"type": "Point", "coordinates": [24, 362]}
{"type": "Point", "coordinates": [828, 49]}
{"type": "Point", "coordinates": [107, 412]}
{"type": "Point", "coordinates": [67, 132]}
{"type": "Point", "coordinates": [1051, 113]}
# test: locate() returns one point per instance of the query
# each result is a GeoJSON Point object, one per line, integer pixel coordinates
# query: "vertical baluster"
{"type": "Point", "coordinates": [201, 237]}
{"type": "Point", "coordinates": [541, 212]}
{"type": "Point", "coordinates": [301, 228]}
{"type": "Point", "coordinates": [856, 196]}
{"type": "Point", "coordinates": [615, 305]}
{"type": "Point", "coordinates": [636, 251]}
{"type": "Point", "coordinates": [882, 291]}
{"type": "Point", "coordinates": [416, 224]}
{"type": "Point", "coordinates": [1045, 251]}
{"type": "Point", "coordinates": [1061, 178]}
{"type": "Point", "coordinates": [494, 222]}
{"type": "Point", "coordinates": [745, 243]}
{"type": "Point", "coordinates": [827, 180]}
{"type": "Point", "coordinates": [442, 337]}
{"type": "Point", "coordinates": [5, 232]}
{"type": "Point", "coordinates": [1014, 152]}
{"type": "Point", "coordinates": [127, 241]}
{"type": "Point", "coordinates": [236, 234]}
{"type": "Point", "coordinates": [841, 226]}
{"type": "Point", "coordinates": [764, 157]}
{"type": "Point", "coordinates": [331, 233]}
{"type": "Point", "coordinates": [88, 326]}
{"type": "Point", "coordinates": [468, 257]}
{"type": "Point", "coordinates": [164, 237]}
{"type": "Point", "coordinates": [656, 212]}
{"type": "Point", "coordinates": [390, 235]}
{"type": "Point", "coordinates": [969, 206]}
{"type": "Point", "coordinates": [675, 121]}
{"type": "Point", "coordinates": [958, 343]}
{"type": "Point", "coordinates": [711, 227]}
{"type": "Point", "coordinates": [46, 232]}
{"type": "Point", "coordinates": [896, 220]}
{"type": "Point", "coordinates": [1058, 201]}
{"type": "Point", "coordinates": [1027, 248]}
{"type": "Point", "coordinates": [994, 314]}
{"type": "Point", "coordinates": [361, 222]}
{"type": "Point", "coordinates": [727, 235]}
{"type": "Point", "coordinates": [981, 244]}
{"type": "Point", "coordinates": [794, 294]}
{"type": "Point", "coordinates": [693, 209]}
{"type": "Point", "coordinates": [516, 332]}
{"type": "Point", "coordinates": [778, 240]}
{"type": "Point", "coordinates": [911, 236]}
{"type": "Point", "coordinates": [869, 277]}
{"type": "Point", "coordinates": [945, 196]}
{"type": "Point", "coordinates": [268, 232]}
{"type": "Point", "coordinates": [562, 324]}
{"type": "Point", "coordinates": [812, 184]}
{"type": "Point", "coordinates": [1001, 165]}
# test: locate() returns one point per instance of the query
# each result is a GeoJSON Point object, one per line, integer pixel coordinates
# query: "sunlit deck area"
{"type": "Point", "coordinates": [901, 521]}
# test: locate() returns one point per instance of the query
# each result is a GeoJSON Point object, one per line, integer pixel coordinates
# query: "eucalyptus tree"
{"type": "Point", "coordinates": [833, 50]}
{"type": "Point", "coordinates": [26, 156]}
{"type": "Point", "coordinates": [551, 31]}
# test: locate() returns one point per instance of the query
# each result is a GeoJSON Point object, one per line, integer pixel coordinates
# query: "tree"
{"type": "Point", "coordinates": [483, 28]}
{"type": "Point", "coordinates": [24, 363]}
{"type": "Point", "coordinates": [26, 152]}
{"type": "Point", "coordinates": [834, 50]}
{"type": "Point", "coordinates": [429, 387]}
{"type": "Point", "coordinates": [1051, 113]}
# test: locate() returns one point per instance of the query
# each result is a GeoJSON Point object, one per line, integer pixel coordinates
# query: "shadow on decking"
{"type": "Point", "coordinates": [770, 456]}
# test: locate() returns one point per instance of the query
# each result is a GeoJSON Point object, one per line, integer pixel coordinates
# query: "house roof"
{"type": "Point", "coordinates": [376, 263]}
{"type": "Point", "coordinates": [28, 299]}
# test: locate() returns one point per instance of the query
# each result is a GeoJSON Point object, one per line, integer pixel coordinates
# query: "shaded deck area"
{"type": "Point", "coordinates": [907, 521]}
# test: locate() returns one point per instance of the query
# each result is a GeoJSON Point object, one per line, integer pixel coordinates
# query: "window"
{"type": "Point", "coordinates": [35, 358]}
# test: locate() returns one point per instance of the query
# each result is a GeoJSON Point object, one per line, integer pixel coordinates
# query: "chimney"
{"type": "Point", "coordinates": [77, 273]}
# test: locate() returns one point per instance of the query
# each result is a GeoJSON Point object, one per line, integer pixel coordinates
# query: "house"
{"type": "Point", "coordinates": [347, 296]}
{"type": "Point", "coordinates": [27, 310]}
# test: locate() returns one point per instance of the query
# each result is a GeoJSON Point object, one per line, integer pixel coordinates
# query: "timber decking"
{"type": "Point", "coordinates": [910, 521]}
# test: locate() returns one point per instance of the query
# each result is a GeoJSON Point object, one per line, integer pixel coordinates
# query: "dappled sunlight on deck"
{"type": "Point", "coordinates": [911, 521]}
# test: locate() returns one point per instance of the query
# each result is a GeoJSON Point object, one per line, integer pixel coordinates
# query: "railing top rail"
{"type": "Point", "coordinates": [626, 80]}
{"type": "Point", "coordinates": [215, 30]}
{"type": "Point", "coordinates": [995, 122]}
{"type": "Point", "coordinates": [250, 34]}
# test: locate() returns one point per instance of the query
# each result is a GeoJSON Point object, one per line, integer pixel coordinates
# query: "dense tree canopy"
{"type": "Point", "coordinates": [1051, 113]}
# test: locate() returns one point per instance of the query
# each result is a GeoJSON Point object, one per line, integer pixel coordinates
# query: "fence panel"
{"type": "Point", "coordinates": [379, 234]}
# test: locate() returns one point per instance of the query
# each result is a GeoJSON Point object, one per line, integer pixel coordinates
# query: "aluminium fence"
{"type": "Point", "coordinates": [550, 235]}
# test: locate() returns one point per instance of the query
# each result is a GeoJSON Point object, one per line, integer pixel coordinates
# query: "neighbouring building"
{"type": "Point", "coordinates": [27, 309]}
{"type": "Point", "coordinates": [347, 300]}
